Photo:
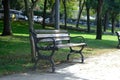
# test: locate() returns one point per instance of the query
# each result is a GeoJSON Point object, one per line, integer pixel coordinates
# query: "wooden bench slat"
{"type": "Point", "coordinates": [52, 35]}
{"type": "Point", "coordinates": [56, 39]}
{"type": "Point", "coordinates": [50, 31]}
{"type": "Point", "coordinates": [70, 45]}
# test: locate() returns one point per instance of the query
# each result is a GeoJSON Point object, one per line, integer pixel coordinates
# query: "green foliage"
{"type": "Point", "coordinates": [40, 3]}
{"type": "Point", "coordinates": [93, 4]}
{"type": "Point", "coordinates": [111, 6]}
{"type": "Point", "coordinates": [71, 7]}
{"type": "Point", "coordinates": [17, 4]}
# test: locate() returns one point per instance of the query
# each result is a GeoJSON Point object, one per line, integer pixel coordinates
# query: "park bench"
{"type": "Point", "coordinates": [118, 36]}
{"type": "Point", "coordinates": [51, 41]}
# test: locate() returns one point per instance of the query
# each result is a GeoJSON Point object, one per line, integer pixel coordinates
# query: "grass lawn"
{"type": "Point", "coordinates": [15, 50]}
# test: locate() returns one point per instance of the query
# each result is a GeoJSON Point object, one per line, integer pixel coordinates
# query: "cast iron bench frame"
{"type": "Point", "coordinates": [118, 36]}
{"type": "Point", "coordinates": [56, 38]}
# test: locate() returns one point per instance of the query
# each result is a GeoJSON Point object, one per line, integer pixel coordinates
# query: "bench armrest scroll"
{"type": "Point", "coordinates": [77, 39]}
{"type": "Point", "coordinates": [51, 43]}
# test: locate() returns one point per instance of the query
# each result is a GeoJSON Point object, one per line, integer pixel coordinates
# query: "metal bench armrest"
{"type": "Point", "coordinates": [77, 39]}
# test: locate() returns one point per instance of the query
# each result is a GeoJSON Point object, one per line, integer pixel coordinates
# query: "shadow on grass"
{"type": "Point", "coordinates": [15, 50]}
{"type": "Point", "coordinates": [14, 54]}
{"type": "Point", "coordinates": [14, 45]}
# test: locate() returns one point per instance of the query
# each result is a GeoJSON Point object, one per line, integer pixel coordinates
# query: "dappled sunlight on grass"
{"type": "Point", "coordinates": [107, 44]}
{"type": "Point", "coordinates": [15, 51]}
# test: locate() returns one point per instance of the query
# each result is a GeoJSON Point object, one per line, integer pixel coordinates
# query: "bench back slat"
{"type": "Point", "coordinates": [50, 31]}
{"type": "Point", "coordinates": [56, 39]}
{"type": "Point", "coordinates": [51, 35]}
{"type": "Point", "coordinates": [118, 33]}
{"type": "Point", "coordinates": [58, 35]}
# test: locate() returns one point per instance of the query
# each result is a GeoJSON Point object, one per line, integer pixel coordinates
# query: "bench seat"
{"type": "Point", "coordinates": [70, 45]}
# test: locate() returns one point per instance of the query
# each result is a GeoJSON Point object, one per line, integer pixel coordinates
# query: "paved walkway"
{"type": "Point", "coordinates": [103, 67]}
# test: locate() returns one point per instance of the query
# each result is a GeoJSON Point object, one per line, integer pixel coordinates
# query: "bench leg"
{"type": "Point", "coordinates": [82, 57]}
{"type": "Point", "coordinates": [78, 52]}
{"type": "Point", "coordinates": [52, 64]}
{"type": "Point", "coordinates": [46, 57]}
{"type": "Point", "coordinates": [68, 56]}
{"type": "Point", "coordinates": [36, 61]}
{"type": "Point", "coordinates": [118, 46]}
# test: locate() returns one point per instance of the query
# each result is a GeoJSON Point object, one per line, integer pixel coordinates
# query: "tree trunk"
{"type": "Point", "coordinates": [52, 19]}
{"type": "Point", "coordinates": [113, 24]}
{"type": "Point", "coordinates": [88, 17]}
{"type": "Point", "coordinates": [99, 15]}
{"type": "Point", "coordinates": [65, 12]}
{"type": "Point", "coordinates": [106, 21]}
{"type": "Point", "coordinates": [44, 13]}
{"type": "Point", "coordinates": [7, 27]}
{"type": "Point", "coordinates": [81, 5]}
{"type": "Point", "coordinates": [57, 14]}
{"type": "Point", "coordinates": [29, 11]}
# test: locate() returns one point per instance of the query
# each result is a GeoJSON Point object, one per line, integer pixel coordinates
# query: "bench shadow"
{"type": "Point", "coordinates": [64, 71]}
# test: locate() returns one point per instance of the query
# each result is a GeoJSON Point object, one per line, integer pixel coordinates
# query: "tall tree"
{"type": "Point", "coordinates": [114, 12]}
{"type": "Point", "coordinates": [52, 10]}
{"type": "Point", "coordinates": [65, 12]}
{"type": "Point", "coordinates": [88, 15]}
{"type": "Point", "coordinates": [7, 27]}
{"type": "Point", "coordinates": [111, 10]}
{"type": "Point", "coordinates": [44, 13]}
{"type": "Point", "coordinates": [81, 5]}
{"type": "Point", "coordinates": [106, 14]}
{"type": "Point", "coordinates": [99, 20]}
{"type": "Point", "coordinates": [57, 14]}
{"type": "Point", "coordinates": [29, 6]}
{"type": "Point", "coordinates": [106, 20]}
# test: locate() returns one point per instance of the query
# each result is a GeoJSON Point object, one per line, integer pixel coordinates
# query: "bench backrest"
{"type": "Point", "coordinates": [58, 35]}
{"type": "Point", "coordinates": [118, 35]}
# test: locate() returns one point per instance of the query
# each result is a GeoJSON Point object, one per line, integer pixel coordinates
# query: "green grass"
{"type": "Point", "coordinates": [15, 50]}
{"type": "Point", "coordinates": [107, 44]}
